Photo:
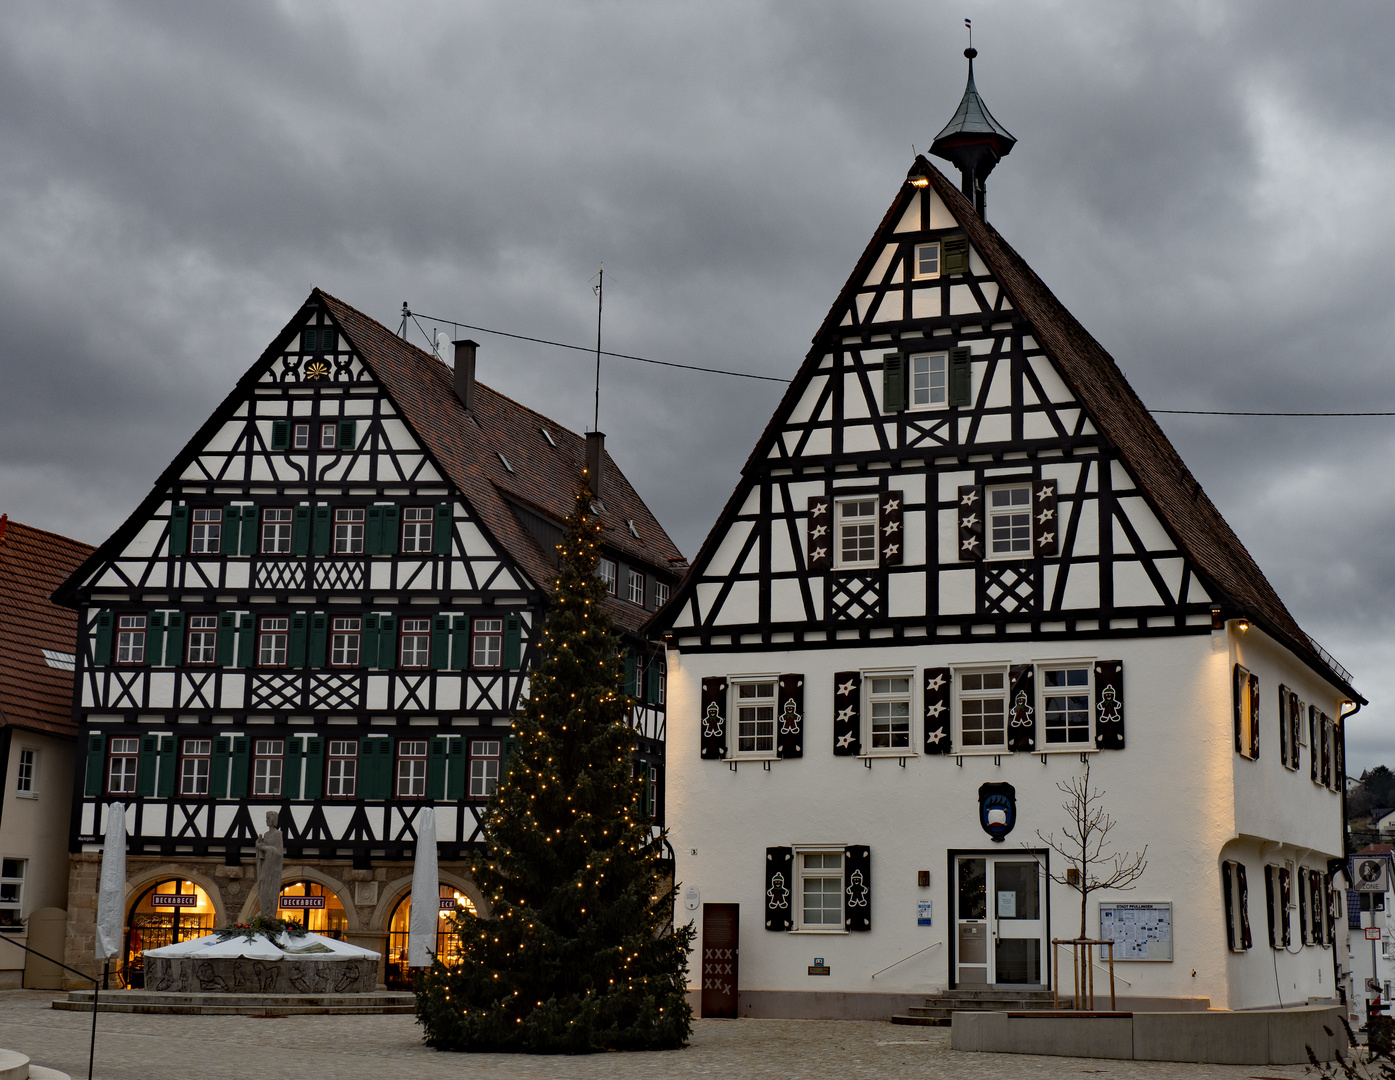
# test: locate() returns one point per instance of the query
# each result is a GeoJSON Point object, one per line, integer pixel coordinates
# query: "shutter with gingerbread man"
{"type": "Point", "coordinates": [789, 718]}
{"type": "Point", "coordinates": [1022, 708]}
{"type": "Point", "coordinates": [857, 887]}
{"type": "Point", "coordinates": [779, 868]}
{"type": "Point", "coordinates": [1109, 704]}
{"type": "Point", "coordinates": [847, 713]}
{"type": "Point", "coordinates": [713, 718]}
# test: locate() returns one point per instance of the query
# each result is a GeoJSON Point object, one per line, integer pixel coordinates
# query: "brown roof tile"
{"type": "Point", "coordinates": [33, 563]}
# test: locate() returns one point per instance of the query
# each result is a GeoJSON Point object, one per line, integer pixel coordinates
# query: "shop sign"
{"type": "Point", "coordinates": [448, 905]}
{"type": "Point", "coordinates": [818, 967]}
{"type": "Point", "coordinates": [174, 900]}
{"type": "Point", "coordinates": [302, 902]}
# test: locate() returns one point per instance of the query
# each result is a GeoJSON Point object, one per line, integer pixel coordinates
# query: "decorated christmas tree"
{"type": "Point", "coordinates": [577, 952]}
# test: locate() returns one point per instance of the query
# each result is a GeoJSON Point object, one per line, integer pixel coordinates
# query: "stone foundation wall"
{"type": "Point", "coordinates": [224, 975]}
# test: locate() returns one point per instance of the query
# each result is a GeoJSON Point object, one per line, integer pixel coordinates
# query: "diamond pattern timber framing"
{"type": "Point", "coordinates": [339, 575]}
{"type": "Point", "coordinates": [855, 599]}
{"type": "Point", "coordinates": [277, 691]}
{"type": "Point", "coordinates": [332, 692]}
{"type": "Point", "coordinates": [279, 574]}
{"type": "Point", "coordinates": [1007, 588]}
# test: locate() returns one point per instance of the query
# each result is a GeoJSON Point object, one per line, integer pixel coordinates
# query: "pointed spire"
{"type": "Point", "coordinates": [973, 141]}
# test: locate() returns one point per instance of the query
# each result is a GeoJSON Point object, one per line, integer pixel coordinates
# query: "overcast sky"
{"type": "Point", "coordinates": [1205, 185]}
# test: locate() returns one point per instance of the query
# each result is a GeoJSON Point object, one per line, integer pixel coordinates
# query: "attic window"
{"type": "Point", "coordinates": [547, 435]}
{"type": "Point", "coordinates": [505, 461]}
{"type": "Point", "coordinates": [633, 531]}
{"type": "Point", "coordinates": [62, 661]}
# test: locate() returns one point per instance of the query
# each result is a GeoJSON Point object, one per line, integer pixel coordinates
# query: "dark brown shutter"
{"type": "Point", "coordinates": [1245, 940]}
{"type": "Point", "coordinates": [1283, 724]}
{"type": "Point", "coordinates": [1229, 897]}
{"type": "Point", "coordinates": [714, 724]}
{"type": "Point", "coordinates": [1269, 905]}
{"type": "Point", "coordinates": [939, 724]}
{"type": "Point", "coordinates": [779, 885]}
{"type": "Point", "coordinates": [971, 522]}
{"type": "Point", "coordinates": [1044, 528]}
{"type": "Point", "coordinates": [1022, 708]}
{"type": "Point", "coordinates": [1285, 894]}
{"type": "Point", "coordinates": [1315, 904]}
{"type": "Point", "coordinates": [1295, 730]}
{"type": "Point", "coordinates": [1254, 715]}
{"type": "Point", "coordinates": [857, 888]}
{"type": "Point", "coordinates": [1240, 686]}
{"type": "Point", "coordinates": [847, 713]}
{"type": "Point", "coordinates": [890, 519]}
{"type": "Point", "coordinates": [1325, 734]}
{"type": "Point", "coordinates": [1314, 735]}
{"type": "Point", "coordinates": [789, 731]}
{"type": "Point", "coordinates": [820, 534]}
{"type": "Point", "coordinates": [1109, 704]}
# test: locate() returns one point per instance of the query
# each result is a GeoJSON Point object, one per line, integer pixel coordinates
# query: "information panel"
{"type": "Point", "coordinates": [1140, 931]}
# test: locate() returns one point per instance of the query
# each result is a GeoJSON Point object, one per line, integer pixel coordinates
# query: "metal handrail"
{"type": "Point", "coordinates": [96, 992]}
{"type": "Point", "coordinates": [905, 958]}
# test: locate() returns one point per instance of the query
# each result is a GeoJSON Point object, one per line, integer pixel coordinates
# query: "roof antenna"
{"type": "Point", "coordinates": [599, 289]}
{"type": "Point", "coordinates": [406, 314]}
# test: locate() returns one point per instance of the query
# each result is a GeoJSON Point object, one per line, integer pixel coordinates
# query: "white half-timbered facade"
{"type": "Point", "coordinates": [961, 561]}
{"type": "Point", "coordinates": [327, 607]}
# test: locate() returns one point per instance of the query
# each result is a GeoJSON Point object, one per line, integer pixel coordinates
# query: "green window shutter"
{"type": "Point", "coordinates": [280, 434]}
{"type": "Point", "coordinates": [101, 651]}
{"type": "Point", "coordinates": [651, 681]}
{"type": "Point", "coordinates": [218, 782]}
{"type": "Point", "coordinates": [959, 372]}
{"type": "Point", "coordinates": [513, 642]}
{"type": "Point", "coordinates": [893, 382]}
{"type": "Point", "coordinates": [295, 654]}
{"type": "Point", "coordinates": [391, 535]}
{"type": "Point", "coordinates": [179, 530]}
{"type": "Point", "coordinates": [436, 770]}
{"type": "Point", "coordinates": [324, 529]}
{"type": "Point", "coordinates": [460, 642]}
{"type": "Point", "coordinates": [247, 641]}
{"type": "Point", "coordinates": [632, 676]}
{"type": "Point", "coordinates": [319, 635]}
{"type": "Point", "coordinates": [145, 775]}
{"type": "Point", "coordinates": [164, 786]}
{"type": "Point", "coordinates": [954, 251]}
{"type": "Point", "coordinates": [290, 784]}
{"type": "Point", "coordinates": [387, 641]}
{"type": "Point", "coordinates": [174, 638]}
{"type": "Point", "coordinates": [230, 542]}
{"type": "Point", "coordinates": [248, 543]}
{"type": "Point", "coordinates": [300, 531]}
{"type": "Point", "coordinates": [96, 763]}
{"type": "Point", "coordinates": [314, 767]}
{"type": "Point", "coordinates": [374, 758]}
{"type": "Point", "coordinates": [368, 644]}
{"type": "Point", "coordinates": [510, 746]}
{"type": "Point", "coordinates": [441, 534]}
{"type": "Point", "coordinates": [238, 784]}
{"type": "Point", "coordinates": [227, 636]}
{"type": "Point", "coordinates": [455, 770]}
{"type": "Point", "coordinates": [155, 638]}
{"type": "Point", "coordinates": [440, 642]}
{"type": "Point", "coordinates": [348, 430]}
{"type": "Point", "coordinates": [373, 532]}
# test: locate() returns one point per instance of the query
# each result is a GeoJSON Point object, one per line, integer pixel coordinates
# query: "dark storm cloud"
{"type": "Point", "coordinates": [1203, 184]}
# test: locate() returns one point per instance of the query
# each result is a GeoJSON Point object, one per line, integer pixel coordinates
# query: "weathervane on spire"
{"type": "Point", "coordinates": [969, 26]}
{"type": "Point", "coordinates": [972, 140]}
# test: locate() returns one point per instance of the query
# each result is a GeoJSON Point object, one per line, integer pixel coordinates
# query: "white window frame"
{"type": "Point", "coordinates": [606, 571]}
{"type": "Point", "coordinates": [660, 594]}
{"type": "Point", "coordinates": [1044, 692]}
{"type": "Point", "coordinates": [341, 769]}
{"type": "Point", "coordinates": [409, 776]}
{"type": "Point", "coordinates": [870, 698]}
{"type": "Point", "coordinates": [15, 903]}
{"type": "Point", "coordinates": [961, 696]}
{"type": "Point", "coordinates": [277, 522]}
{"type": "Point", "coordinates": [486, 642]}
{"type": "Point", "coordinates": [801, 874]}
{"type": "Point", "coordinates": [734, 706]}
{"type": "Point", "coordinates": [27, 773]}
{"type": "Point", "coordinates": [636, 595]}
{"type": "Point", "coordinates": [346, 641]}
{"type": "Point", "coordinates": [125, 749]}
{"type": "Point", "coordinates": [414, 644]}
{"type": "Point", "coordinates": [929, 359]}
{"type": "Point", "coordinates": [268, 768]}
{"type": "Point", "coordinates": [350, 524]}
{"type": "Point", "coordinates": [483, 780]}
{"type": "Point", "coordinates": [418, 530]}
{"type": "Point", "coordinates": [840, 522]}
{"type": "Point", "coordinates": [201, 645]}
{"type": "Point", "coordinates": [300, 437]}
{"type": "Point", "coordinates": [130, 639]}
{"type": "Point", "coordinates": [195, 768]}
{"type": "Point", "coordinates": [989, 514]}
{"type": "Point", "coordinates": [917, 274]}
{"type": "Point", "coordinates": [206, 530]}
{"type": "Point", "coordinates": [273, 641]}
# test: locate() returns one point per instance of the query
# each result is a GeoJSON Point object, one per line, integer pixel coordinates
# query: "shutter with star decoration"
{"type": "Point", "coordinates": [1244, 890]}
{"type": "Point", "coordinates": [939, 694]}
{"type": "Point", "coordinates": [1228, 894]}
{"type": "Point", "coordinates": [820, 534]}
{"type": "Point", "coordinates": [779, 872]}
{"type": "Point", "coordinates": [1044, 530]}
{"type": "Point", "coordinates": [713, 719]}
{"type": "Point", "coordinates": [1109, 705]}
{"type": "Point", "coordinates": [1022, 708]}
{"type": "Point", "coordinates": [971, 523]}
{"type": "Point", "coordinates": [789, 720]}
{"type": "Point", "coordinates": [1283, 725]}
{"type": "Point", "coordinates": [1285, 897]}
{"type": "Point", "coordinates": [1314, 749]}
{"type": "Point", "coordinates": [847, 713]}
{"type": "Point", "coordinates": [1326, 735]}
{"type": "Point", "coordinates": [889, 521]}
{"type": "Point", "coordinates": [857, 888]}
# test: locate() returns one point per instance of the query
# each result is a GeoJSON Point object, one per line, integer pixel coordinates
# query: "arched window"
{"type": "Point", "coordinates": [396, 974]}
{"type": "Point", "coordinates": [316, 908]}
{"type": "Point", "coordinates": [166, 913]}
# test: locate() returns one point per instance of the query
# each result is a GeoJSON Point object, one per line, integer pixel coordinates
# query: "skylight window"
{"type": "Point", "coordinates": [633, 531]}
{"type": "Point", "coordinates": [547, 435]}
{"type": "Point", "coordinates": [505, 461]}
{"type": "Point", "coordinates": [62, 661]}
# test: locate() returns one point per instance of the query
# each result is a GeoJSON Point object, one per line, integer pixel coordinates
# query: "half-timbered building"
{"type": "Point", "coordinates": [962, 560]}
{"type": "Point", "coordinates": [327, 607]}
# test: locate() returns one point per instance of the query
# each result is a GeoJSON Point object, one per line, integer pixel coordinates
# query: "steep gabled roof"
{"type": "Point", "coordinates": [34, 694]}
{"type": "Point", "coordinates": [1174, 494]}
{"type": "Point", "coordinates": [466, 449]}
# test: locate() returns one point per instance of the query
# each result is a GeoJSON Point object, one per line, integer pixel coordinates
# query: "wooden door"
{"type": "Point", "coordinates": [720, 949]}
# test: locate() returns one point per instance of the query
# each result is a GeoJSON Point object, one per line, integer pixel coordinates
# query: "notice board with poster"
{"type": "Point", "coordinates": [1140, 931]}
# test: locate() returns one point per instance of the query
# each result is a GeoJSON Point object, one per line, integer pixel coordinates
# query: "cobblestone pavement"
{"type": "Point", "coordinates": [136, 1047]}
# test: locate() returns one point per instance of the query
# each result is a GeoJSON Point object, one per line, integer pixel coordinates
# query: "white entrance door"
{"type": "Point", "coordinates": [1000, 921]}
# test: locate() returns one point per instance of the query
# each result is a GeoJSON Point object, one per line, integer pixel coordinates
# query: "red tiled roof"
{"type": "Point", "coordinates": [33, 563]}
{"type": "Point", "coordinates": [544, 476]}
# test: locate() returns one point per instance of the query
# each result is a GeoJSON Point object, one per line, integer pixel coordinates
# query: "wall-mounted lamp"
{"type": "Point", "coordinates": [1217, 622]}
{"type": "Point", "coordinates": [918, 181]}
{"type": "Point", "coordinates": [1242, 625]}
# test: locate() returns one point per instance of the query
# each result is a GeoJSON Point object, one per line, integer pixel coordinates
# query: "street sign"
{"type": "Point", "coordinates": [1372, 874]}
{"type": "Point", "coordinates": [1373, 933]}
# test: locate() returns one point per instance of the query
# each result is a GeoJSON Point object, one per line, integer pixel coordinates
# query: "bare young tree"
{"type": "Point", "coordinates": [1084, 844]}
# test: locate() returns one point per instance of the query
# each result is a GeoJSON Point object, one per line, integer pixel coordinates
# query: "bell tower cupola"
{"type": "Point", "coordinates": [973, 141]}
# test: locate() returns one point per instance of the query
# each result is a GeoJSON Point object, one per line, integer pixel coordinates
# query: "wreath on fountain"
{"type": "Point", "coordinates": [261, 924]}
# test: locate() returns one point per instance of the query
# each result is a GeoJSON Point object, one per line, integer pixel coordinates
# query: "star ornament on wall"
{"type": "Point", "coordinates": [969, 522]}
{"type": "Point", "coordinates": [1045, 493]}
{"type": "Point", "coordinates": [819, 530]}
{"type": "Point", "coordinates": [844, 715]}
{"type": "Point", "coordinates": [845, 739]}
{"type": "Point", "coordinates": [969, 499]}
{"type": "Point", "coordinates": [1046, 539]}
{"type": "Point", "coordinates": [893, 504]}
{"type": "Point", "coordinates": [935, 709]}
{"type": "Point", "coordinates": [934, 737]}
{"type": "Point", "coordinates": [891, 549]}
{"type": "Point", "coordinates": [1045, 516]}
{"type": "Point", "coordinates": [970, 543]}
{"type": "Point", "coordinates": [935, 683]}
{"type": "Point", "coordinates": [844, 689]}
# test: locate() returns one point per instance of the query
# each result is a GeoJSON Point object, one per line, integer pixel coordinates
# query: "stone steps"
{"type": "Point", "coordinates": [15, 1066]}
{"type": "Point", "coordinates": [940, 1008]}
{"type": "Point", "coordinates": [154, 1001]}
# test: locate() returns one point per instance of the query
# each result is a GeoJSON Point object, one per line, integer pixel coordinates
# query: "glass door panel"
{"type": "Point", "coordinates": [971, 922]}
{"type": "Point", "coordinates": [1018, 922]}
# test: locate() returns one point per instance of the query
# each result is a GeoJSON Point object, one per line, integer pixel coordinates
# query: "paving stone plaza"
{"type": "Point", "coordinates": [137, 1047]}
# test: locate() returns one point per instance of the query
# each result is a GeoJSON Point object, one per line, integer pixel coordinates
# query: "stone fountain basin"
{"type": "Point", "coordinates": [265, 964]}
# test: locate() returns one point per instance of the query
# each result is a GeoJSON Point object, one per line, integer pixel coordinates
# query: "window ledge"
{"type": "Point", "coordinates": [908, 752]}
{"type": "Point", "coordinates": [26, 794]}
{"type": "Point", "coordinates": [985, 752]}
{"type": "Point", "coordinates": [813, 930]}
{"type": "Point", "coordinates": [1056, 748]}
{"type": "Point", "coordinates": [752, 757]}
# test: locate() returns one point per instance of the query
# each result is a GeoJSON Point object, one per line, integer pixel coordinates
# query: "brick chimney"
{"type": "Point", "coordinates": [465, 372]}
